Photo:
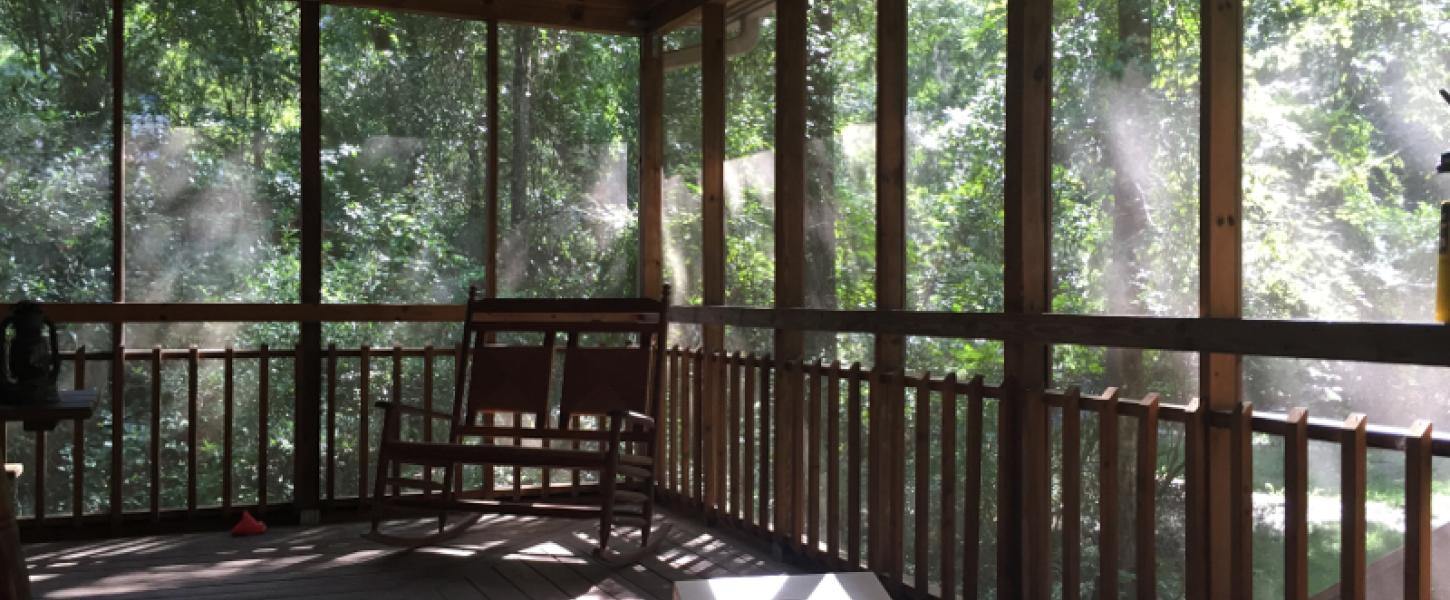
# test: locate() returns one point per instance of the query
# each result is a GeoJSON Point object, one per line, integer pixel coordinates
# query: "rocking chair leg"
{"type": "Point", "coordinates": [648, 512]}
{"type": "Point", "coordinates": [606, 512]}
{"type": "Point", "coordinates": [380, 488]}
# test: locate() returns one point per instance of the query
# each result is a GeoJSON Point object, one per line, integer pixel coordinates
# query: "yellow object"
{"type": "Point", "coordinates": [1442, 288]}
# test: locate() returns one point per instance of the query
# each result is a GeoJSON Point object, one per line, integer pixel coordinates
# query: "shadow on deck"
{"type": "Point", "coordinates": [500, 558]}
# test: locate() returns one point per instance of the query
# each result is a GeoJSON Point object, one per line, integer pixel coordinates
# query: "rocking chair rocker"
{"type": "Point", "coordinates": [617, 388]}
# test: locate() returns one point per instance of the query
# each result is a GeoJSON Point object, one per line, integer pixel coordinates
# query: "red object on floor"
{"type": "Point", "coordinates": [249, 526]}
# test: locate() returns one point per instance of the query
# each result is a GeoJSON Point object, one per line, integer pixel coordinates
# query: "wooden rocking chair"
{"type": "Point", "coordinates": [618, 386]}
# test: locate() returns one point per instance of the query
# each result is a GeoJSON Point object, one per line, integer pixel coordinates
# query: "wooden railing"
{"type": "Point", "coordinates": [897, 487]}
{"type": "Point", "coordinates": [846, 472]}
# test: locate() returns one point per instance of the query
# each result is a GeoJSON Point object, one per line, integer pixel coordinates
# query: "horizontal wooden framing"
{"type": "Point", "coordinates": [1401, 343]}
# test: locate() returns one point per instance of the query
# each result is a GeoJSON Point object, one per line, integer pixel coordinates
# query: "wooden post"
{"type": "Point", "coordinates": [1024, 485]}
{"type": "Point", "coordinates": [1220, 265]}
{"type": "Point", "coordinates": [887, 393]}
{"type": "Point", "coordinates": [712, 218]}
{"type": "Point", "coordinates": [1296, 505]}
{"type": "Point", "coordinates": [790, 249]}
{"type": "Point", "coordinates": [1353, 454]}
{"type": "Point", "coordinates": [651, 153]}
{"type": "Point", "coordinates": [490, 281]}
{"type": "Point", "coordinates": [118, 249]}
{"type": "Point", "coordinates": [1418, 540]}
{"type": "Point", "coordinates": [308, 360]}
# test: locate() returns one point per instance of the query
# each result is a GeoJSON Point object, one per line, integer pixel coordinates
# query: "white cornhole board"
{"type": "Point", "coordinates": [828, 586]}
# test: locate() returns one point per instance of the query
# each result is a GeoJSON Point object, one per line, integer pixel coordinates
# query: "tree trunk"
{"type": "Point", "coordinates": [522, 133]}
{"type": "Point", "coordinates": [1130, 216]}
{"type": "Point", "coordinates": [474, 230]}
{"type": "Point", "coordinates": [821, 155]}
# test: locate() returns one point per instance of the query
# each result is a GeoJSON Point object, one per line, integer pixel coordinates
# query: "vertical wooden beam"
{"type": "Point", "coordinates": [651, 155]}
{"type": "Point", "coordinates": [1144, 509]}
{"type": "Point", "coordinates": [1108, 496]}
{"type": "Point", "coordinates": [712, 210]}
{"type": "Point", "coordinates": [887, 392]}
{"type": "Point", "coordinates": [490, 276]}
{"type": "Point", "coordinates": [712, 172]}
{"type": "Point", "coordinates": [1195, 501]}
{"type": "Point", "coordinates": [308, 360]}
{"type": "Point", "coordinates": [1353, 453]}
{"type": "Point", "coordinates": [1418, 540]}
{"type": "Point", "coordinates": [118, 247]}
{"type": "Point", "coordinates": [1220, 265]}
{"type": "Point", "coordinates": [1072, 493]}
{"type": "Point", "coordinates": [1296, 505]}
{"type": "Point", "coordinates": [790, 248]}
{"type": "Point", "coordinates": [1240, 559]}
{"type": "Point", "coordinates": [1024, 553]}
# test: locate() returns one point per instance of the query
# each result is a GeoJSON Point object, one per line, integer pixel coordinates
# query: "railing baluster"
{"type": "Point", "coordinates": [948, 510]}
{"type": "Point", "coordinates": [228, 389]}
{"type": "Point", "coordinates": [812, 423]}
{"type": "Point", "coordinates": [687, 430]}
{"type": "Point", "coordinates": [1353, 453]}
{"type": "Point", "coordinates": [877, 521]}
{"type": "Point", "coordinates": [1418, 540]}
{"type": "Point", "coordinates": [732, 371]}
{"type": "Point", "coordinates": [921, 562]}
{"type": "Point", "coordinates": [428, 407]}
{"type": "Point", "coordinates": [363, 414]}
{"type": "Point", "coordinates": [78, 447]}
{"type": "Point", "coordinates": [1145, 511]}
{"type": "Point", "coordinates": [667, 442]}
{"type": "Point", "coordinates": [833, 462]}
{"type": "Point", "coordinates": [1195, 501]}
{"type": "Point", "coordinates": [716, 395]}
{"type": "Point", "coordinates": [428, 353]}
{"type": "Point", "coordinates": [1108, 496]}
{"type": "Point", "coordinates": [1071, 493]}
{"type": "Point", "coordinates": [155, 449]}
{"type": "Point", "coordinates": [896, 451]}
{"type": "Point", "coordinates": [766, 408]}
{"type": "Point", "coordinates": [698, 408]}
{"type": "Point", "coordinates": [331, 422]}
{"type": "Point", "coordinates": [1296, 505]}
{"type": "Point", "coordinates": [192, 360]}
{"type": "Point", "coordinates": [396, 396]}
{"type": "Point", "coordinates": [972, 489]}
{"type": "Point", "coordinates": [747, 480]}
{"type": "Point", "coordinates": [118, 425]}
{"type": "Point", "coordinates": [264, 388]}
{"type": "Point", "coordinates": [673, 422]}
{"type": "Point", "coordinates": [704, 380]}
{"type": "Point", "coordinates": [853, 466]}
{"type": "Point", "coordinates": [1242, 501]}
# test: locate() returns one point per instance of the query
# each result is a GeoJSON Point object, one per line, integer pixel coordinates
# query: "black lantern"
{"type": "Point", "coordinates": [29, 362]}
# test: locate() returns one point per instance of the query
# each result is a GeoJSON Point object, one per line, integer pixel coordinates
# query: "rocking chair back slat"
{"type": "Point", "coordinates": [599, 380]}
{"type": "Point", "coordinates": [510, 379]}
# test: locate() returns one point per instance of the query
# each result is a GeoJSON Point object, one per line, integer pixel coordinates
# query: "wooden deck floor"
{"type": "Point", "coordinates": [501, 558]}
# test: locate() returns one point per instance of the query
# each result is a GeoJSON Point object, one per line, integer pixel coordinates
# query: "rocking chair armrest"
{"type": "Point", "coordinates": [633, 417]}
{"type": "Point", "coordinates": [388, 405]}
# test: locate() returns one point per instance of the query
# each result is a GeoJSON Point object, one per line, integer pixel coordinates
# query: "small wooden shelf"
{"type": "Point", "coordinates": [72, 406]}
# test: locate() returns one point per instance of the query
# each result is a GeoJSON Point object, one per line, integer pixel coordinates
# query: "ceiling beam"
{"type": "Point", "coordinates": [620, 17]}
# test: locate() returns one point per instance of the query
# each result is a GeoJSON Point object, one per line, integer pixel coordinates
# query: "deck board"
{"type": "Point", "coordinates": [501, 558]}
